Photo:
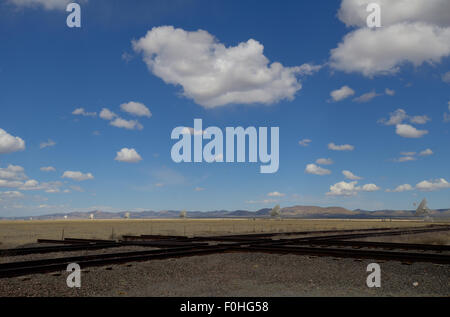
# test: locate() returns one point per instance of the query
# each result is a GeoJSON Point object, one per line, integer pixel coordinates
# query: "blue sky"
{"type": "Point", "coordinates": [380, 96]}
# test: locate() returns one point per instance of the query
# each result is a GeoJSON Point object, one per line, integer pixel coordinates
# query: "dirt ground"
{"type": "Point", "coordinates": [17, 233]}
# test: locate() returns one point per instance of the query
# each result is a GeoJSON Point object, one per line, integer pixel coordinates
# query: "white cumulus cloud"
{"type": "Point", "coordinates": [350, 188]}
{"type": "Point", "coordinates": [126, 124]}
{"type": "Point", "coordinates": [9, 143]}
{"type": "Point", "coordinates": [343, 189]}
{"type": "Point", "coordinates": [107, 114]}
{"type": "Point", "coordinates": [342, 93]}
{"type": "Point", "coordinates": [215, 75]}
{"type": "Point", "coordinates": [433, 185]}
{"type": "Point", "coordinates": [383, 50]}
{"type": "Point", "coordinates": [45, 4]}
{"type": "Point", "coordinates": [350, 175]}
{"type": "Point", "coordinates": [408, 131]}
{"type": "Point", "coordinates": [82, 112]}
{"type": "Point", "coordinates": [316, 170]}
{"type": "Point", "coordinates": [136, 109]}
{"type": "Point", "coordinates": [402, 188]}
{"type": "Point", "coordinates": [78, 176]}
{"type": "Point", "coordinates": [128, 155]}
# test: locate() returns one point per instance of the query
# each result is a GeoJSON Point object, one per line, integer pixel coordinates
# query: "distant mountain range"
{"type": "Point", "coordinates": [287, 212]}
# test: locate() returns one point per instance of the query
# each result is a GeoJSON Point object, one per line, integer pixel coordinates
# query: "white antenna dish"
{"type": "Point", "coordinates": [423, 209]}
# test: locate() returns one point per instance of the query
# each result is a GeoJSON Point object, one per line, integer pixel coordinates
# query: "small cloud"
{"type": "Point", "coordinates": [316, 170]}
{"type": "Point", "coordinates": [136, 109]}
{"type": "Point", "coordinates": [389, 92]}
{"type": "Point", "coordinates": [344, 147]}
{"type": "Point", "coordinates": [324, 161]}
{"type": "Point", "coordinates": [82, 112]}
{"type": "Point", "coordinates": [366, 97]}
{"type": "Point", "coordinates": [107, 114]}
{"type": "Point", "coordinates": [405, 159]}
{"type": "Point", "coordinates": [370, 188]}
{"type": "Point", "coordinates": [396, 117]}
{"type": "Point", "coordinates": [11, 195]}
{"type": "Point", "coordinates": [48, 169]}
{"type": "Point", "coordinates": [126, 124]}
{"type": "Point", "coordinates": [342, 93]}
{"type": "Point", "coordinates": [401, 188]}
{"type": "Point", "coordinates": [350, 189]}
{"type": "Point", "coordinates": [408, 131]}
{"type": "Point", "coordinates": [426, 152]}
{"type": "Point", "coordinates": [350, 175]}
{"type": "Point", "coordinates": [399, 116]}
{"type": "Point", "coordinates": [304, 142]}
{"type": "Point", "coordinates": [128, 155]}
{"type": "Point", "coordinates": [199, 189]}
{"type": "Point", "coordinates": [419, 119]}
{"type": "Point", "coordinates": [446, 77]}
{"type": "Point", "coordinates": [127, 57]}
{"type": "Point", "coordinates": [78, 176]}
{"type": "Point", "coordinates": [264, 201]}
{"type": "Point", "coordinates": [49, 143]}
{"type": "Point", "coordinates": [276, 194]}
{"type": "Point", "coordinates": [76, 188]}
{"type": "Point", "coordinates": [343, 189]}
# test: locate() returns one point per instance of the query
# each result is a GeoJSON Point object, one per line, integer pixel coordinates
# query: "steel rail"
{"type": "Point", "coordinates": [351, 253]}
{"type": "Point", "coordinates": [383, 245]}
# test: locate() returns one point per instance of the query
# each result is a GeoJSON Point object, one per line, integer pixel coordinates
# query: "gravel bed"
{"type": "Point", "coordinates": [240, 274]}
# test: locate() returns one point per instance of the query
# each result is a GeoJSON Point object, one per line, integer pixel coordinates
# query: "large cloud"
{"type": "Point", "coordinates": [433, 185]}
{"type": "Point", "coordinates": [215, 75]}
{"type": "Point", "coordinates": [381, 51]}
{"type": "Point", "coordinates": [413, 31]}
{"type": "Point", "coordinates": [9, 143]}
{"type": "Point", "coordinates": [353, 12]}
{"type": "Point", "coordinates": [46, 4]}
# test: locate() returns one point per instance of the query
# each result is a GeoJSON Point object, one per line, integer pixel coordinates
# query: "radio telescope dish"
{"type": "Point", "coordinates": [423, 209]}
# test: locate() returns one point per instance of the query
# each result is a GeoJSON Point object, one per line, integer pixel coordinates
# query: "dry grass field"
{"type": "Point", "coordinates": [17, 233]}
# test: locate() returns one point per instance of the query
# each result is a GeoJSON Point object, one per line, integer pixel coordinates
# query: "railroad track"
{"type": "Point", "coordinates": [174, 246]}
